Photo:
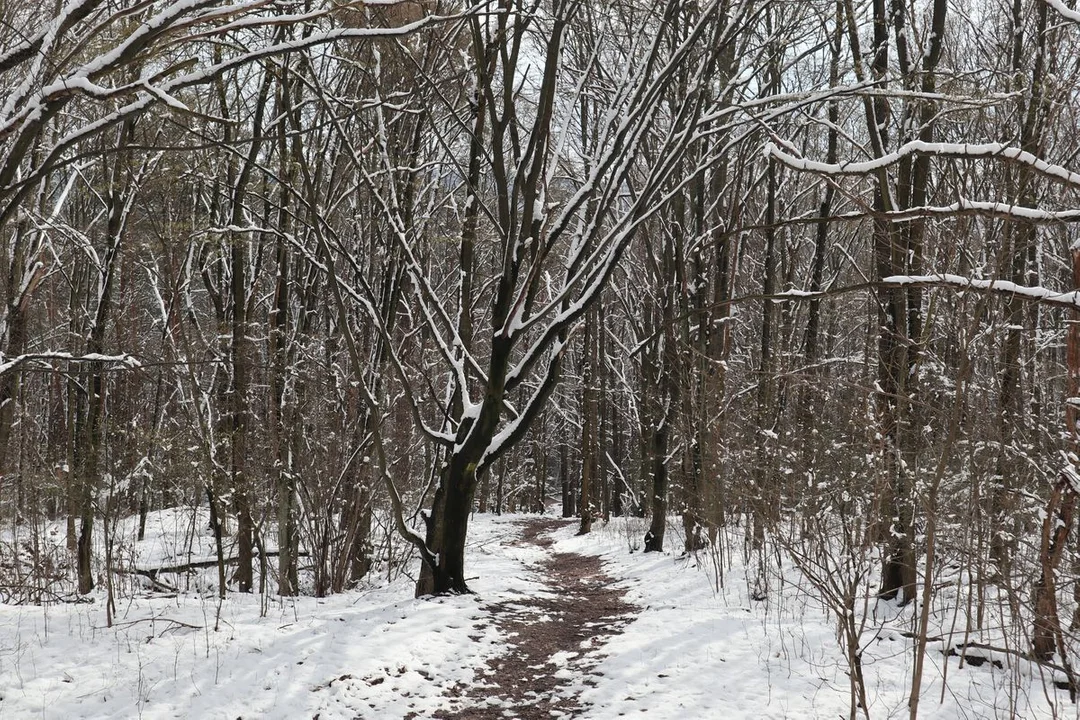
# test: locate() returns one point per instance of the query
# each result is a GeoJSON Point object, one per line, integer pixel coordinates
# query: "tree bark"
{"type": "Point", "coordinates": [589, 424]}
{"type": "Point", "coordinates": [654, 538]}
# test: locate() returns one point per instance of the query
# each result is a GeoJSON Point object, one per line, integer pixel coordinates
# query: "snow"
{"type": "Point", "coordinates": [964, 205]}
{"type": "Point", "coordinates": [1064, 10]}
{"type": "Point", "coordinates": [796, 293]}
{"type": "Point", "coordinates": [1041, 294]}
{"type": "Point", "coordinates": [697, 653]}
{"type": "Point", "coordinates": [7, 364]}
{"type": "Point", "coordinates": [695, 649]}
{"type": "Point", "coordinates": [371, 653]}
{"type": "Point", "coordinates": [919, 147]}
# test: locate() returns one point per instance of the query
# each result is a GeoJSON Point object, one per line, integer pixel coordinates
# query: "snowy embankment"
{"type": "Point", "coordinates": [371, 653]}
{"type": "Point", "coordinates": [696, 651]}
{"type": "Point", "coordinates": [691, 652]}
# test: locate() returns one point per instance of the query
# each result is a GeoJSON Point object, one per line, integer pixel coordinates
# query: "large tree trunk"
{"type": "Point", "coordinates": [25, 275]}
{"type": "Point", "coordinates": [284, 435]}
{"type": "Point", "coordinates": [654, 538]}
{"type": "Point", "coordinates": [1046, 637]}
{"type": "Point", "coordinates": [88, 470]}
{"type": "Point", "coordinates": [567, 486]}
{"type": "Point", "coordinates": [898, 572]}
{"type": "Point", "coordinates": [661, 370]}
{"type": "Point", "coordinates": [1020, 264]}
{"type": "Point", "coordinates": [895, 362]}
{"type": "Point", "coordinates": [357, 521]}
{"type": "Point", "coordinates": [238, 421]}
{"type": "Point", "coordinates": [810, 396]}
{"type": "Point", "coordinates": [590, 421]}
{"type": "Point", "coordinates": [89, 436]}
{"type": "Point", "coordinates": [447, 527]}
{"type": "Point", "coordinates": [241, 349]}
{"type": "Point", "coordinates": [1059, 515]}
{"type": "Point", "coordinates": [766, 494]}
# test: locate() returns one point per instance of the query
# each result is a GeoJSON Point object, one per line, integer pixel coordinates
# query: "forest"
{"type": "Point", "coordinates": [787, 284]}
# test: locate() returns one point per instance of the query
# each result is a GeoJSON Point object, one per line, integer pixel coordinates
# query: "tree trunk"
{"type": "Point", "coordinates": [654, 538]}
{"type": "Point", "coordinates": [568, 505]}
{"type": "Point", "coordinates": [25, 273]}
{"type": "Point", "coordinates": [767, 495]}
{"type": "Point", "coordinates": [1058, 517]}
{"type": "Point", "coordinates": [283, 428]}
{"type": "Point", "coordinates": [589, 423]}
{"type": "Point", "coordinates": [540, 468]}
{"type": "Point", "coordinates": [1020, 263]}
{"type": "Point", "coordinates": [89, 436]}
{"type": "Point", "coordinates": [238, 421]}
{"type": "Point", "coordinates": [359, 519]}
{"type": "Point", "coordinates": [447, 527]}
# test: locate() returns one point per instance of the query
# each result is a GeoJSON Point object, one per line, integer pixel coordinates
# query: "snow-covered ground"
{"type": "Point", "coordinates": [695, 652]}
{"type": "Point", "coordinates": [692, 651]}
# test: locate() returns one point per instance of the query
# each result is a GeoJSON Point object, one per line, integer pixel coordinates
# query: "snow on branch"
{"type": "Point", "coordinates": [364, 300]}
{"type": "Point", "coordinates": [977, 207]}
{"type": "Point", "coordinates": [1038, 294]}
{"type": "Point", "coordinates": [8, 364]}
{"type": "Point", "coordinates": [918, 147]}
{"type": "Point", "coordinates": [28, 106]}
{"type": "Point", "coordinates": [1064, 10]}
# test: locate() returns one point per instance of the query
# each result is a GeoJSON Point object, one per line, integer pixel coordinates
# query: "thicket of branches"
{"type": "Point", "coordinates": [803, 268]}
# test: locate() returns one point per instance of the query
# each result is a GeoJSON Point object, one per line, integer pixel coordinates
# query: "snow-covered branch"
{"type": "Point", "coordinates": [970, 151]}
{"type": "Point", "coordinates": [1064, 10]}
{"type": "Point", "coordinates": [1069, 299]}
{"type": "Point", "coordinates": [8, 364]}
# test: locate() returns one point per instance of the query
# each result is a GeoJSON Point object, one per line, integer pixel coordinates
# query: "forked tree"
{"type": "Point", "coordinates": [557, 214]}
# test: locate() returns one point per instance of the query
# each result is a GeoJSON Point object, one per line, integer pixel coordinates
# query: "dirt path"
{"type": "Point", "coordinates": [554, 642]}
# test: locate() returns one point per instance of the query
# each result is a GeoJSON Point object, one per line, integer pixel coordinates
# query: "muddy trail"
{"type": "Point", "coordinates": [555, 643]}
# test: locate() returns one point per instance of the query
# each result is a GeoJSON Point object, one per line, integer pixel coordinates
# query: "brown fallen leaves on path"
{"type": "Point", "coordinates": [554, 641]}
